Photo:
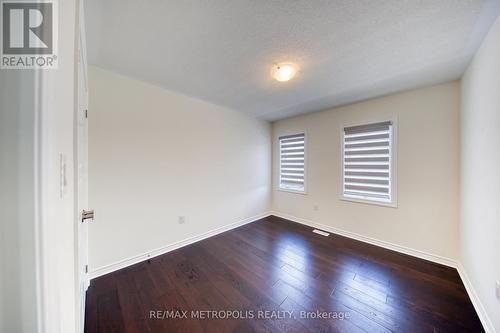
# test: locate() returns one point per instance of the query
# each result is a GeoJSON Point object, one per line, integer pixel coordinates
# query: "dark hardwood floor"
{"type": "Point", "coordinates": [277, 276]}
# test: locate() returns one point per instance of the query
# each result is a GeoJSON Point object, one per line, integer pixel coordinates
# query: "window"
{"type": "Point", "coordinates": [367, 163]}
{"type": "Point", "coordinates": [292, 164]}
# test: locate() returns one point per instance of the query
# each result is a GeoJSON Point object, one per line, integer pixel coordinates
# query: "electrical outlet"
{"type": "Point", "coordinates": [497, 285]}
{"type": "Point", "coordinates": [182, 219]}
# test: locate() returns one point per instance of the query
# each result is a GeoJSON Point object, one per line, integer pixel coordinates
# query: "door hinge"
{"type": "Point", "coordinates": [86, 269]}
{"type": "Point", "coordinates": [86, 113]}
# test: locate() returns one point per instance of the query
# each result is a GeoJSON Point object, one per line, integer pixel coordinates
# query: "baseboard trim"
{"type": "Point", "coordinates": [174, 246]}
{"type": "Point", "coordinates": [481, 311]}
{"type": "Point", "coordinates": [387, 245]}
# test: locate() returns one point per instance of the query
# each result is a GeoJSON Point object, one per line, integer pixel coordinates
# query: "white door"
{"type": "Point", "coordinates": [85, 215]}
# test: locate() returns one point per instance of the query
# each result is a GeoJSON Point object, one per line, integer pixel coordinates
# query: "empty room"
{"type": "Point", "coordinates": [250, 166]}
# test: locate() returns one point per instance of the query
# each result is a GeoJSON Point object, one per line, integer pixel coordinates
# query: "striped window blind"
{"type": "Point", "coordinates": [367, 157]}
{"type": "Point", "coordinates": [292, 165]}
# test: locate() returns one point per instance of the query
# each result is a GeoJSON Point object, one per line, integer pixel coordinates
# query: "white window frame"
{"type": "Point", "coordinates": [393, 164]}
{"type": "Point", "coordinates": [291, 190]}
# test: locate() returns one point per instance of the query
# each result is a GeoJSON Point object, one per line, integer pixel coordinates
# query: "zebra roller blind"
{"type": "Point", "coordinates": [292, 162]}
{"type": "Point", "coordinates": [367, 158]}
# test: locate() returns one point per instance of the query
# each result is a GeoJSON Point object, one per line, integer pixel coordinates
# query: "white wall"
{"type": "Point", "coordinates": [37, 287]}
{"type": "Point", "coordinates": [17, 228]}
{"type": "Point", "coordinates": [155, 155]}
{"type": "Point", "coordinates": [480, 173]}
{"type": "Point", "coordinates": [427, 167]}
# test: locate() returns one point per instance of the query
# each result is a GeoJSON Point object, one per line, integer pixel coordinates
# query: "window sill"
{"type": "Point", "coordinates": [291, 190]}
{"type": "Point", "coordinates": [392, 204]}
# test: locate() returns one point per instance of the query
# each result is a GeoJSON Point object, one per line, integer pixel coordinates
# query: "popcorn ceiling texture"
{"type": "Point", "coordinates": [222, 51]}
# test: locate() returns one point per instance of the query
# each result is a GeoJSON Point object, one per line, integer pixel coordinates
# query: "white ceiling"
{"type": "Point", "coordinates": [221, 51]}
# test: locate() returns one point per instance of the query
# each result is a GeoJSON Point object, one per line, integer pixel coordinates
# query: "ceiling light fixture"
{"type": "Point", "coordinates": [284, 71]}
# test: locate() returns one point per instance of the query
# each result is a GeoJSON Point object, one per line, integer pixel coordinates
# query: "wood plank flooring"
{"type": "Point", "coordinates": [277, 276]}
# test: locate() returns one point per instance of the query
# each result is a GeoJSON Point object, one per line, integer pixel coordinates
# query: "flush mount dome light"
{"type": "Point", "coordinates": [284, 71]}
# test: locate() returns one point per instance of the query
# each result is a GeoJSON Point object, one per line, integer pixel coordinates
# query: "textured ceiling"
{"type": "Point", "coordinates": [221, 51]}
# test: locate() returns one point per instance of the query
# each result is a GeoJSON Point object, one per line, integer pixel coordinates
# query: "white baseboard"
{"type": "Point", "coordinates": [387, 245]}
{"type": "Point", "coordinates": [481, 311]}
{"type": "Point", "coordinates": [164, 249]}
